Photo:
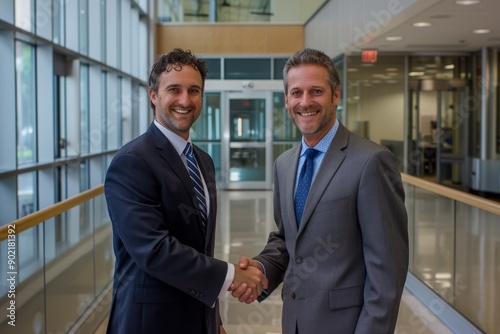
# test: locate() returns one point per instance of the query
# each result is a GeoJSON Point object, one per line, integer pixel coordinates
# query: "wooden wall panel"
{"type": "Point", "coordinates": [230, 39]}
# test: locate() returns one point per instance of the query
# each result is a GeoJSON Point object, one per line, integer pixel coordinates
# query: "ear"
{"type": "Point", "coordinates": [336, 96]}
{"type": "Point", "coordinates": [152, 96]}
{"type": "Point", "coordinates": [286, 100]}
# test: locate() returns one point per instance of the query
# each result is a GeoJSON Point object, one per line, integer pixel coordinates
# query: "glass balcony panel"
{"type": "Point", "coordinates": [478, 266]}
{"type": "Point", "coordinates": [433, 242]}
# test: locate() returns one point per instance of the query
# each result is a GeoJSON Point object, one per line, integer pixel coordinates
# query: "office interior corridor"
{"type": "Point", "coordinates": [245, 219]}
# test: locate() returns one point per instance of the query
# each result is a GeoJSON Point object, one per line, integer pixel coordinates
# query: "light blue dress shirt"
{"type": "Point", "coordinates": [321, 146]}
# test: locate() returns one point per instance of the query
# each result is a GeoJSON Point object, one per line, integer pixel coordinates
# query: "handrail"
{"type": "Point", "coordinates": [460, 196]}
{"type": "Point", "coordinates": [42, 215]}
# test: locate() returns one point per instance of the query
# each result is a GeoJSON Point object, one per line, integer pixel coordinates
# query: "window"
{"type": "Point", "coordinates": [83, 26]}
{"type": "Point", "coordinates": [84, 110]}
{"type": "Point", "coordinates": [247, 68]}
{"type": "Point", "coordinates": [26, 103]}
{"type": "Point", "coordinates": [213, 66]}
{"type": "Point", "coordinates": [25, 13]}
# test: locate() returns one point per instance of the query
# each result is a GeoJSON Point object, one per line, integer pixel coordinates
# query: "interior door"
{"type": "Point", "coordinates": [438, 125]}
{"type": "Point", "coordinates": [247, 140]}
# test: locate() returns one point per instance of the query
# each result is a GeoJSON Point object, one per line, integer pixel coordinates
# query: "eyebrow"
{"type": "Point", "coordinates": [178, 85]}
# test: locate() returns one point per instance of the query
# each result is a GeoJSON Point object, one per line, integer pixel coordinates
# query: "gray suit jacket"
{"type": "Point", "coordinates": [344, 269]}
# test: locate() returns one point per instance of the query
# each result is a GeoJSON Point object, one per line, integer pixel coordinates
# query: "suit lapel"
{"type": "Point", "coordinates": [332, 160]}
{"type": "Point", "coordinates": [172, 158]}
{"type": "Point", "coordinates": [290, 176]}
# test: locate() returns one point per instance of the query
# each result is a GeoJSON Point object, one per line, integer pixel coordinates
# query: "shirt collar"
{"type": "Point", "coordinates": [325, 142]}
{"type": "Point", "coordinates": [177, 142]}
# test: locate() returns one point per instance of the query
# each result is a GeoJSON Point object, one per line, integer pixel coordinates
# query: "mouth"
{"type": "Point", "coordinates": [307, 113]}
{"type": "Point", "coordinates": [181, 111]}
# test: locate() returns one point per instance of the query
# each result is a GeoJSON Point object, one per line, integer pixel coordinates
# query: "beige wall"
{"type": "Point", "coordinates": [231, 39]}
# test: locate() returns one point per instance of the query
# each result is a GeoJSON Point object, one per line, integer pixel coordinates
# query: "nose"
{"type": "Point", "coordinates": [306, 100]}
{"type": "Point", "coordinates": [184, 99]}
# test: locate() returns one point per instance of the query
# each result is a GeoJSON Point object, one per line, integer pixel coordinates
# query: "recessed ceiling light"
{"type": "Point", "coordinates": [449, 67]}
{"type": "Point", "coordinates": [422, 24]}
{"type": "Point", "coordinates": [351, 69]}
{"type": "Point", "coordinates": [481, 31]}
{"type": "Point", "coordinates": [415, 74]}
{"type": "Point", "coordinates": [393, 38]}
{"type": "Point", "coordinates": [467, 2]}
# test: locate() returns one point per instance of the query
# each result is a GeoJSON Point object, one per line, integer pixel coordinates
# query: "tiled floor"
{"type": "Point", "coordinates": [245, 220]}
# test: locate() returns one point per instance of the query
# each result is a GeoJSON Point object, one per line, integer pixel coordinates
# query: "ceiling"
{"type": "Point", "coordinates": [451, 24]}
{"type": "Point", "coordinates": [451, 28]}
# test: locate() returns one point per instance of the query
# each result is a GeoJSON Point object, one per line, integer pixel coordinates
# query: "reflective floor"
{"type": "Point", "coordinates": [245, 220]}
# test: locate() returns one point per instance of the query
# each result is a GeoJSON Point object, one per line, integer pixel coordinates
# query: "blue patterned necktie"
{"type": "Point", "coordinates": [194, 172]}
{"type": "Point", "coordinates": [305, 178]}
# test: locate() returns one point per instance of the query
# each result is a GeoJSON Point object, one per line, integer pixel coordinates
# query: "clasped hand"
{"type": "Point", "coordinates": [249, 280]}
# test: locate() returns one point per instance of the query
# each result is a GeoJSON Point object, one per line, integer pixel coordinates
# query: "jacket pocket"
{"type": "Point", "coordinates": [157, 295]}
{"type": "Point", "coordinates": [345, 298]}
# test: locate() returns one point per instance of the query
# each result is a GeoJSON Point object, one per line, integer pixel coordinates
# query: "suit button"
{"type": "Point", "coordinates": [298, 260]}
{"type": "Point", "coordinates": [292, 295]}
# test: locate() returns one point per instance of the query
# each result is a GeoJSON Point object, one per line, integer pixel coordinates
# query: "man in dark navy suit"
{"type": "Point", "coordinates": [166, 279]}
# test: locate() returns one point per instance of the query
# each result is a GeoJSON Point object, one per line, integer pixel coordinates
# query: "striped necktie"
{"type": "Point", "coordinates": [305, 178]}
{"type": "Point", "coordinates": [194, 173]}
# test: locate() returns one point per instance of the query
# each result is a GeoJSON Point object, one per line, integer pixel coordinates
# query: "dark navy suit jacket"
{"type": "Point", "coordinates": [166, 279]}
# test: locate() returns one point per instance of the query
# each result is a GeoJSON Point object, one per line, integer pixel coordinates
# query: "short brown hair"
{"type": "Point", "coordinates": [174, 60]}
{"type": "Point", "coordinates": [311, 56]}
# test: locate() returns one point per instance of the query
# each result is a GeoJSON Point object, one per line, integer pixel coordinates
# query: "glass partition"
{"type": "Point", "coordinates": [455, 251]}
{"type": "Point", "coordinates": [206, 131]}
{"type": "Point", "coordinates": [285, 133]}
{"type": "Point", "coordinates": [53, 286]}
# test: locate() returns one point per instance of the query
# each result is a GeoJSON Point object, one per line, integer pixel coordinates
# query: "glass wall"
{"type": "Point", "coordinates": [61, 126]}
{"type": "Point", "coordinates": [245, 107]}
{"type": "Point", "coordinates": [71, 96]}
{"type": "Point", "coordinates": [206, 131]}
{"type": "Point", "coordinates": [285, 133]}
{"type": "Point", "coordinates": [375, 104]}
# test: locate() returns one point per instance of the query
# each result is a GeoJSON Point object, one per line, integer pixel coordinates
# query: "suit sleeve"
{"type": "Point", "coordinates": [138, 211]}
{"type": "Point", "coordinates": [383, 223]}
{"type": "Point", "coordinates": [275, 256]}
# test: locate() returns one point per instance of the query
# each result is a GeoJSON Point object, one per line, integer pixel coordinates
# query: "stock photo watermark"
{"type": "Point", "coordinates": [11, 274]}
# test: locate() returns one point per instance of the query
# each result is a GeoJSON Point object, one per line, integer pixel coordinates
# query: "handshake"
{"type": "Point", "coordinates": [249, 280]}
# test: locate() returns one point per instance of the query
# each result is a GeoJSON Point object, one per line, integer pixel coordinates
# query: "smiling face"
{"type": "Point", "coordinates": [310, 101]}
{"type": "Point", "coordinates": [179, 99]}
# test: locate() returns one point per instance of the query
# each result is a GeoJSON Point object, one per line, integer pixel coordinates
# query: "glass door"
{"type": "Point", "coordinates": [437, 126]}
{"type": "Point", "coordinates": [247, 140]}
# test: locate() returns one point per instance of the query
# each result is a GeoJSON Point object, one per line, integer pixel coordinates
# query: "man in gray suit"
{"type": "Point", "coordinates": [341, 248]}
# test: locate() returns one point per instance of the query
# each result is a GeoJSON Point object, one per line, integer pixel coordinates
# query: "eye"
{"type": "Point", "coordinates": [317, 91]}
{"type": "Point", "coordinates": [194, 90]}
{"type": "Point", "coordinates": [295, 93]}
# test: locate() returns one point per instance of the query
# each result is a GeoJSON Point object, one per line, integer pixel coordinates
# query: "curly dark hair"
{"type": "Point", "coordinates": [174, 60]}
{"type": "Point", "coordinates": [316, 57]}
